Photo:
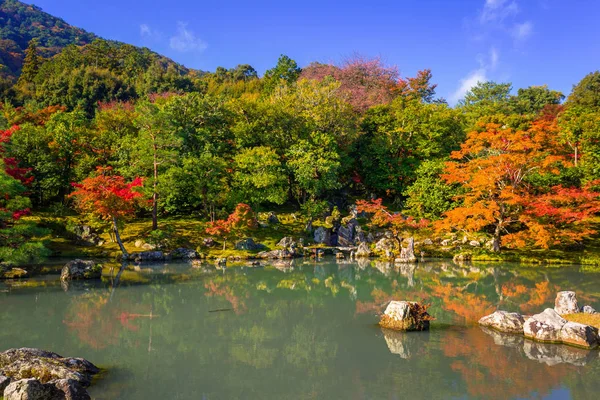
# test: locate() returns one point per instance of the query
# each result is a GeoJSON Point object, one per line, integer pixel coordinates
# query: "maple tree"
{"type": "Point", "coordinates": [239, 221]}
{"type": "Point", "coordinates": [496, 166]}
{"type": "Point", "coordinates": [382, 217]}
{"type": "Point", "coordinates": [109, 197]}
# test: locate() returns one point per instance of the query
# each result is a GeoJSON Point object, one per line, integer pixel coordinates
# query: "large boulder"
{"type": "Point", "coordinates": [20, 363]}
{"type": "Point", "coordinates": [69, 389]}
{"type": "Point", "coordinates": [275, 254]}
{"type": "Point", "coordinates": [407, 254]}
{"type": "Point", "coordinates": [504, 322]}
{"type": "Point", "coordinates": [347, 233]}
{"type": "Point", "coordinates": [322, 235]}
{"type": "Point", "coordinates": [147, 256]}
{"type": "Point", "coordinates": [545, 326]}
{"type": "Point", "coordinates": [183, 254]}
{"type": "Point", "coordinates": [363, 250]}
{"type": "Point", "coordinates": [287, 242]}
{"type": "Point", "coordinates": [405, 316]}
{"type": "Point", "coordinates": [80, 269]}
{"type": "Point", "coordinates": [566, 303]}
{"type": "Point", "coordinates": [248, 244]}
{"type": "Point", "coordinates": [29, 389]}
{"type": "Point", "coordinates": [580, 335]}
{"type": "Point", "coordinates": [386, 245]}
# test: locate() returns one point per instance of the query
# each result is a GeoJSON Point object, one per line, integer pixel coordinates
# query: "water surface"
{"type": "Point", "coordinates": [304, 330]}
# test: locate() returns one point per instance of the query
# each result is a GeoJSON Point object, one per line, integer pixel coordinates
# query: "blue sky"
{"type": "Point", "coordinates": [526, 42]}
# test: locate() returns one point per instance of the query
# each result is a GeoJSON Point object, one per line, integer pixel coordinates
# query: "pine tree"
{"type": "Point", "coordinates": [31, 67]}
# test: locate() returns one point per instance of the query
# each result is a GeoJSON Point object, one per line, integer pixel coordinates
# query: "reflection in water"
{"type": "Point", "coordinates": [303, 330]}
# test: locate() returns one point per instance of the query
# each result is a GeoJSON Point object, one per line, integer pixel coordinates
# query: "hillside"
{"type": "Point", "coordinates": [19, 23]}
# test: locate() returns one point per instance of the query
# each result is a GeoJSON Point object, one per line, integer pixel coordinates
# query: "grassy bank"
{"type": "Point", "coordinates": [189, 232]}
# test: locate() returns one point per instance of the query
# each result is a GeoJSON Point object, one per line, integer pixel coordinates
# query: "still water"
{"type": "Point", "coordinates": [305, 330]}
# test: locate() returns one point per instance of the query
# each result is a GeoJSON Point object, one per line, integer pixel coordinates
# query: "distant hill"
{"type": "Point", "coordinates": [19, 23]}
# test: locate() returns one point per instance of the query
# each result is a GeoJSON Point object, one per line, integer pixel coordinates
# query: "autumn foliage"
{"type": "Point", "coordinates": [107, 196]}
{"type": "Point", "coordinates": [382, 217]}
{"type": "Point", "coordinates": [239, 221]}
{"type": "Point", "coordinates": [495, 166]}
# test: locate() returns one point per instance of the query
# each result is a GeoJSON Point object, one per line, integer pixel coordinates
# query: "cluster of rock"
{"type": "Point", "coordinates": [33, 374]}
{"type": "Point", "coordinates": [12, 273]}
{"type": "Point", "coordinates": [548, 326]}
{"type": "Point", "coordinates": [80, 269]}
{"type": "Point", "coordinates": [159, 256]}
{"type": "Point", "coordinates": [86, 236]}
{"type": "Point", "coordinates": [405, 316]}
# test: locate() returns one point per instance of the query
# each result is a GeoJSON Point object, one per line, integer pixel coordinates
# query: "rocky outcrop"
{"type": "Point", "coordinates": [86, 236]}
{"type": "Point", "coordinates": [363, 250]}
{"type": "Point", "coordinates": [183, 254]}
{"type": "Point", "coordinates": [80, 269]}
{"type": "Point", "coordinates": [566, 303]}
{"type": "Point", "coordinates": [386, 245]}
{"type": "Point", "coordinates": [504, 322]}
{"type": "Point", "coordinates": [405, 316]}
{"type": "Point", "coordinates": [549, 326]}
{"type": "Point", "coordinates": [287, 242]}
{"type": "Point", "coordinates": [248, 244]}
{"type": "Point", "coordinates": [39, 374]}
{"type": "Point", "coordinates": [407, 254]}
{"type": "Point", "coordinates": [347, 233]}
{"type": "Point", "coordinates": [322, 235]}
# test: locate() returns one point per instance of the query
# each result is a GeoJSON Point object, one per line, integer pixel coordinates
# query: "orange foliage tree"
{"type": "Point", "coordinates": [384, 218]}
{"type": "Point", "coordinates": [108, 197]}
{"type": "Point", "coordinates": [241, 220]}
{"type": "Point", "coordinates": [495, 166]}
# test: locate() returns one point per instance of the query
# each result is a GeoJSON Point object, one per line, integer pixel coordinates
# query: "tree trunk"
{"type": "Point", "coordinates": [118, 238]}
{"type": "Point", "coordinates": [155, 194]}
{"type": "Point", "coordinates": [576, 155]}
{"type": "Point", "coordinates": [496, 240]}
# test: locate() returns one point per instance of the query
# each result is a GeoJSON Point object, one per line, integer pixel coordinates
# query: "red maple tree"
{"type": "Point", "coordinates": [109, 197]}
{"type": "Point", "coordinates": [241, 220]}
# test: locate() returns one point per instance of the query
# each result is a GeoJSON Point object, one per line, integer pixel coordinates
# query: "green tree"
{"type": "Point", "coordinates": [587, 92]}
{"type": "Point", "coordinates": [155, 148]}
{"type": "Point", "coordinates": [259, 176]}
{"type": "Point", "coordinates": [285, 72]}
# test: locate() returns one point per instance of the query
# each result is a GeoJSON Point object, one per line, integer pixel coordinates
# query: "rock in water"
{"type": "Point", "coordinates": [504, 322]}
{"type": "Point", "coordinates": [407, 254]}
{"type": "Point", "coordinates": [29, 389]}
{"type": "Point", "coordinates": [544, 327]}
{"type": "Point", "coordinates": [579, 335]}
{"type": "Point", "coordinates": [184, 254]}
{"type": "Point", "coordinates": [80, 269]}
{"type": "Point", "coordinates": [363, 250]}
{"type": "Point", "coordinates": [588, 310]}
{"type": "Point", "coordinates": [405, 316]}
{"type": "Point", "coordinates": [71, 390]}
{"type": "Point", "coordinates": [566, 303]}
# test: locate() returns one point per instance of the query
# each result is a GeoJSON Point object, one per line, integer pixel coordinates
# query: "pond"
{"type": "Point", "coordinates": [304, 330]}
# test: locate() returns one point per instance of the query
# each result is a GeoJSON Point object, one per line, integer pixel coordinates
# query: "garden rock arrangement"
{"type": "Point", "coordinates": [13, 273]}
{"type": "Point", "coordinates": [33, 374]}
{"type": "Point", "coordinates": [405, 316]}
{"type": "Point", "coordinates": [80, 269]}
{"type": "Point", "coordinates": [548, 326]}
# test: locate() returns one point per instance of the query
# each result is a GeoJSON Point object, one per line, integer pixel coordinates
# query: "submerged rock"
{"type": "Point", "coordinates": [566, 303]}
{"type": "Point", "coordinates": [405, 316]}
{"type": "Point", "coordinates": [504, 322]}
{"type": "Point", "coordinates": [80, 269]}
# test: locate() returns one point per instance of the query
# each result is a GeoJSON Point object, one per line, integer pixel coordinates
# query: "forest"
{"type": "Point", "coordinates": [116, 133]}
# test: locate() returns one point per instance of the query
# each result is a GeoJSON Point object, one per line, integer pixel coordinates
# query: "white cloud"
{"type": "Point", "coordinates": [186, 40]}
{"type": "Point", "coordinates": [145, 30]}
{"type": "Point", "coordinates": [467, 83]}
{"type": "Point", "coordinates": [522, 31]}
{"type": "Point", "coordinates": [497, 10]}
{"type": "Point", "coordinates": [494, 58]}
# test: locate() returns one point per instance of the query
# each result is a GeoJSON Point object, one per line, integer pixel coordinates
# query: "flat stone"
{"type": "Point", "coordinates": [566, 303]}
{"type": "Point", "coordinates": [545, 326]}
{"type": "Point", "coordinates": [509, 322]}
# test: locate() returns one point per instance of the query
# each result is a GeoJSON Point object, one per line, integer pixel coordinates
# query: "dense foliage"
{"type": "Point", "coordinates": [521, 166]}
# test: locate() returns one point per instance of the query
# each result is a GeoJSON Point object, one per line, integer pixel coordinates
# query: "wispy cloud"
{"type": "Point", "coordinates": [146, 32]}
{"type": "Point", "coordinates": [498, 10]}
{"type": "Point", "coordinates": [186, 40]}
{"type": "Point", "coordinates": [467, 83]}
{"type": "Point", "coordinates": [522, 31]}
{"type": "Point", "coordinates": [487, 63]}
